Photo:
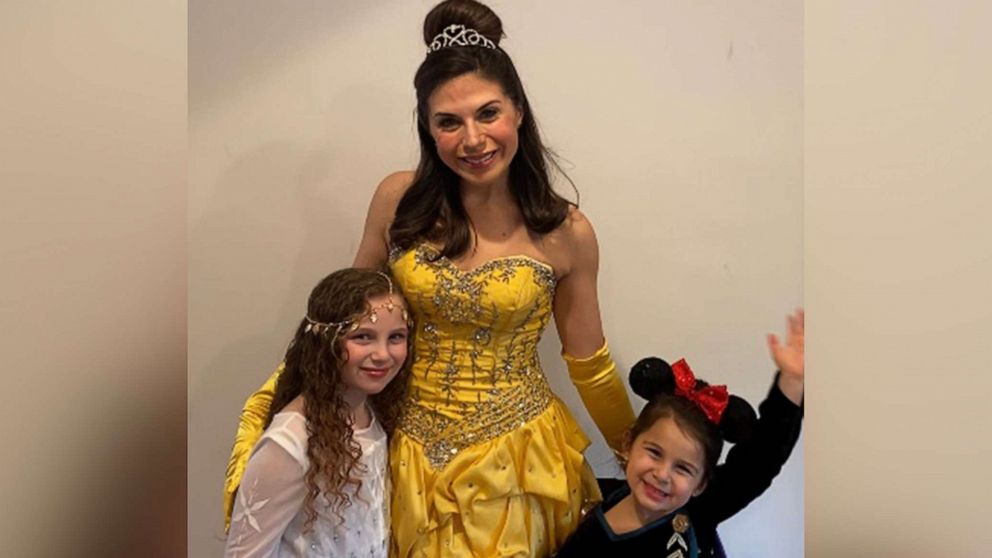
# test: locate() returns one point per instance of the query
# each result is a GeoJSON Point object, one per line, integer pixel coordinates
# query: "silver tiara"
{"type": "Point", "coordinates": [458, 35]}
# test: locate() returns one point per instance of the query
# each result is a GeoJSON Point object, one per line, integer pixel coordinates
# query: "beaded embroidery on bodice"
{"type": "Point", "coordinates": [476, 373]}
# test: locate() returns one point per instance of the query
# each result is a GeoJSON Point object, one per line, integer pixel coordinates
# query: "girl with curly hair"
{"type": "Point", "coordinates": [317, 482]}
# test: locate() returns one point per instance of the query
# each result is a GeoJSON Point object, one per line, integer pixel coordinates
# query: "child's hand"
{"type": "Point", "coordinates": [789, 357]}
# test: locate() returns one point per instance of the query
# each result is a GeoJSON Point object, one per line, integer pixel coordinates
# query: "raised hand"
{"type": "Point", "coordinates": [789, 356]}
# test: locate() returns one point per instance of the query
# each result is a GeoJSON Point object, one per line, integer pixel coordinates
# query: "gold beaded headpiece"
{"type": "Point", "coordinates": [351, 324]}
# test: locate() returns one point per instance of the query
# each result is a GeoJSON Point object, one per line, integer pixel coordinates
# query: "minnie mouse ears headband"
{"type": "Point", "coordinates": [652, 377]}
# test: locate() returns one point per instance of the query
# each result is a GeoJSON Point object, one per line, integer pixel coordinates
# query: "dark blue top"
{"type": "Point", "coordinates": [747, 472]}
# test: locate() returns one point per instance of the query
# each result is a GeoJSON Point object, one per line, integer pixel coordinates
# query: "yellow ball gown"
{"type": "Point", "coordinates": [486, 460]}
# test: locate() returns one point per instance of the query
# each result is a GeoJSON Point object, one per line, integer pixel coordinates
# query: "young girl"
{"type": "Point", "coordinates": [317, 482]}
{"type": "Point", "coordinates": [676, 495]}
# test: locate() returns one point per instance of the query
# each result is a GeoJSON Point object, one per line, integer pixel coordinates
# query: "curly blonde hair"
{"type": "Point", "coordinates": [313, 370]}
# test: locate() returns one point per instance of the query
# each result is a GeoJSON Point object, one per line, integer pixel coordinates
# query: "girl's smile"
{"type": "Point", "coordinates": [665, 469]}
{"type": "Point", "coordinates": [656, 494]}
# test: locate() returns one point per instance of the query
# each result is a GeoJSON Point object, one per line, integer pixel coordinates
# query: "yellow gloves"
{"type": "Point", "coordinates": [250, 428]}
{"type": "Point", "coordinates": [603, 394]}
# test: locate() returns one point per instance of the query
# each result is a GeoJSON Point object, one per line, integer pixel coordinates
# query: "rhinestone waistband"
{"type": "Point", "coordinates": [443, 437]}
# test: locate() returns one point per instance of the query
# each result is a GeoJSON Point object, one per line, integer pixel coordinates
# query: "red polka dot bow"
{"type": "Point", "coordinates": [711, 399]}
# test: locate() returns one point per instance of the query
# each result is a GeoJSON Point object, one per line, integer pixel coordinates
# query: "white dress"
{"type": "Point", "coordinates": [268, 519]}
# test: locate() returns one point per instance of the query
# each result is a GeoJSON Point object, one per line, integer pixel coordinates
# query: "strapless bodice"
{"type": "Point", "coordinates": [476, 372]}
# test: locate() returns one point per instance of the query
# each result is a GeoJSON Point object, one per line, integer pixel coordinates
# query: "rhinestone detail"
{"type": "Point", "coordinates": [478, 375]}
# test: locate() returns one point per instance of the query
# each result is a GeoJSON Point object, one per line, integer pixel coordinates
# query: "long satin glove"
{"type": "Point", "coordinates": [250, 428]}
{"type": "Point", "coordinates": [603, 394]}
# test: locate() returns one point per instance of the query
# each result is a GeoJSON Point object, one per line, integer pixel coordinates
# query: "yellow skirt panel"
{"type": "Point", "coordinates": [520, 494]}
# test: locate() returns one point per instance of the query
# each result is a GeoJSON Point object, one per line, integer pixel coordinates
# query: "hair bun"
{"type": "Point", "coordinates": [738, 420]}
{"type": "Point", "coordinates": [651, 377]}
{"type": "Point", "coordinates": [469, 13]}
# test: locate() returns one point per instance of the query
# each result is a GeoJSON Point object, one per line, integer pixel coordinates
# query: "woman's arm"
{"type": "Point", "coordinates": [373, 251]}
{"type": "Point", "coordinates": [584, 348]}
{"type": "Point", "coordinates": [576, 304]}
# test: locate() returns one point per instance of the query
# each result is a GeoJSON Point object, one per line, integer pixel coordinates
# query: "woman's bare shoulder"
{"type": "Point", "coordinates": [387, 197]}
{"type": "Point", "coordinates": [373, 250]}
{"type": "Point", "coordinates": [575, 233]}
{"type": "Point", "coordinates": [392, 188]}
{"type": "Point", "coordinates": [572, 242]}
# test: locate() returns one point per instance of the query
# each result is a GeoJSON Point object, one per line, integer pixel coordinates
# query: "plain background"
{"type": "Point", "coordinates": [93, 162]}
{"type": "Point", "coordinates": [93, 280]}
{"type": "Point", "coordinates": [681, 124]}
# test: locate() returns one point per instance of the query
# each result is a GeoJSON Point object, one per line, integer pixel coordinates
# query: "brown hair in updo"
{"type": "Point", "coordinates": [431, 209]}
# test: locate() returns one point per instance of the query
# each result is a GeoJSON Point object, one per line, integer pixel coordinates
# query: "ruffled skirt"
{"type": "Point", "coordinates": [520, 494]}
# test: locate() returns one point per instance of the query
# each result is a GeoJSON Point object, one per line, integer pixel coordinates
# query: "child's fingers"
{"type": "Point", "coordinates": [776, 350]}
{"type": "Point", "coordinates": [797, 326]}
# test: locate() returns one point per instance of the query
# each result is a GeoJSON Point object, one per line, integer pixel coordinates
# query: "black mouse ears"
{"type": "Point", "coordinates": [652, 377]}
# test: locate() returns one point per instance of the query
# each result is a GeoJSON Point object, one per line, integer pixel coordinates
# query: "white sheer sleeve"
{"type": "Point", "coordinates": [271, 494]}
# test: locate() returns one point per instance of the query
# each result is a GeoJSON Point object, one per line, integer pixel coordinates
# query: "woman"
{"type": "Point", "coordinates": [486, 461]}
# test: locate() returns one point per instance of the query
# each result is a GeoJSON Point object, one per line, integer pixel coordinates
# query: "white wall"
{"type": "Point", "coordinates": [681, 124]}
{"type": "Point", "coordinates": [93, 278]}
{"type": "Point", "coordinates": [899, 264]}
